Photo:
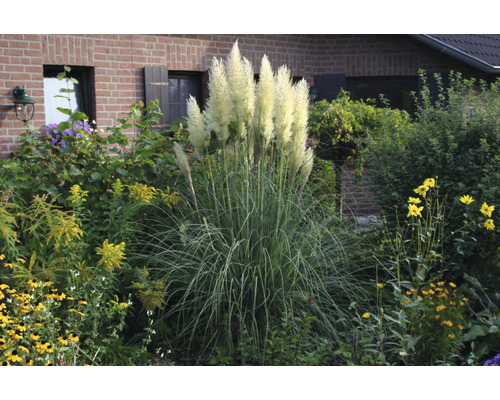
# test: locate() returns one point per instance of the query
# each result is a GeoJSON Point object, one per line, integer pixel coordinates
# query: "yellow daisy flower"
{"type": "Point", "coordinates": [466, 199]}
{"type": "Point", "coordinates": [487, 210]}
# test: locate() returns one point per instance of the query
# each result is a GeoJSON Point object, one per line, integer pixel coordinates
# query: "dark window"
{"type": "Point", "coordinates": [180, 87]}
{"type": "Point", "coordinates": [395, 89]}
{"type": "Point", "coordinates": [81, 100]}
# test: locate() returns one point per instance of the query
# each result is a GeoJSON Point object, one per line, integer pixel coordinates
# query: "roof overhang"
{"type": "Point", "coordinates": [458, 54]}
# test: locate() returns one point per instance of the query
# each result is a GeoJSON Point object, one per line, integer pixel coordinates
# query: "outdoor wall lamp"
{"type": "Point", "coordinates": [24, 107]}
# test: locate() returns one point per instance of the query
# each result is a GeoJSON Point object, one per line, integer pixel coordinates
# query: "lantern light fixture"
{"type": "Point", "coordinates": [24, 106]}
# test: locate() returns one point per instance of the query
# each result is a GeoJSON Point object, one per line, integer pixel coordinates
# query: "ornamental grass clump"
{"type": "Point", "coordinates": [254, 244]}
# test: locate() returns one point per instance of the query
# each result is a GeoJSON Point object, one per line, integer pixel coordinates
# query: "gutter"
{"type": "Point", "coordinates": [458, 54]}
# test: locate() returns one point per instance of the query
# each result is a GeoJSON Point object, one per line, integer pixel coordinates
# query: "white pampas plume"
{"type": "Point", "coordinates": [195, 125]}
{"type": "Point", "coordinates": [184, 166]}
{"type": "Point", "coordinates": [299, 127]}
{"type": "Point", "coordinates": [241, 87]}
{"type": "Point", "coordinates": [283, 108]}
{"type": "Point", "coordinates": [218, 110]}
{"type": "Point", "coordinates": [305, 171]}
{"type": "Point", "coordinates": [264, 103]}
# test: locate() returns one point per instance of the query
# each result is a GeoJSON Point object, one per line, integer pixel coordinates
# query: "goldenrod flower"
{"type": "Point", "coordinates": [77, 195]}
{"type": "Point", "coordinates": [67, 229]}
{"type": "Point", "coordinates": [112, 255]}
{"type": "Point", "coordinates": [414, 200]}
{"type": "Point", "coordinates": [421, 190]}
{"type": "Point", "coordinates": [414, 210]}
{"type": "Point", "coordinates": [141, 193]}
{"type": "Point", "coordinates": [487, 210]}
{"type": "Point", "coordinates": [366, 315]}
{"type": "Point", "coordinates": [466, 199]}
{"type": "Point", "coordinates": [489, 225]}
{"type": "Point", "coordinates": [117, 188]}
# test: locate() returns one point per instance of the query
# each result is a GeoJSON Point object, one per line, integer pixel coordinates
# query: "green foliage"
{"type": "Point", "coordinates": [343, 127]}
{"type": "Point", "coordinates": [457, 139]}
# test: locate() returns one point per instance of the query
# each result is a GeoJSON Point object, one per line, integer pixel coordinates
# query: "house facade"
{"type": "Point", "coordinates": [115, 71]}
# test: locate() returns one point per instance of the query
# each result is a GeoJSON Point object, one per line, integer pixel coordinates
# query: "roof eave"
{"type": "Point", "coordinates": [460, 55]}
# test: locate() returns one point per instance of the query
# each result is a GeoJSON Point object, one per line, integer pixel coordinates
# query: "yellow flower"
{"type": "Point", "coordinates": [117, 188]}
{"type": "Point", "coordinates": [487, 210]}
{"type": "Point", "coordinates": [414, 200]}
{"type": "Point", "coordinates": [77, 195]}
{"type": "Point", "coordinates": [112, 255]}
{"type": "Point", "coordinates": [21, 260]}
{"type": "Point", "coordinates": [366, 315]}
{"type": "Point", "coordinates": [63, 340]}
{"type": "Point", "coordinates": [380, 285]}
{"type": "Point", "coordinates": [48, 283]}
{"type": "Point", "coordinates": [33, 283]}
{"type": "Point", "coordinates": [141, 193]}
{"type": "Point", "coordinates": [440, 308]}
{"type": "Point", "coordinates": [13, 356]}
{"type": "Point", "coordinates": [452, 284]}
{"type": "Point", "coordinates": [2, 257]}
{"type": "Point", "coordinates": [73, 338]}
{"type": "Point", "coordinates": [451, 336]}
{"type": "Point", "coordinates": [414, 210]}
{"type": "Point", "coordinates": [430, 182]}
{"type": "Point", "coordinates": [489, 225]}
{"type": "Point", "coordinates": [449, 323]}
{"type": "Point", "coordinates": [466, 199]}
{"type": "Point", "coordinates": [421, 190]}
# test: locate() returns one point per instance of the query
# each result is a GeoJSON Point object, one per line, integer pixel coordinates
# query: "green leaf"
{"type": "Point", "coordinates": [63, 90]}
{"type": "Point", "coordinates": [95, 175]}
{"type": "Point", "coordinates": [62, 126]}
{"type": "Point", "coordinates": [79, 116]}
{"type": "Point", "coordinates": [61, 75]}
{"type": "Point", "coordinates": [66, 111]}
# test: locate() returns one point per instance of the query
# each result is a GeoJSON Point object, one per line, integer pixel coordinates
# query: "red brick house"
{"type": "Point", "coordinates": [115, 71]}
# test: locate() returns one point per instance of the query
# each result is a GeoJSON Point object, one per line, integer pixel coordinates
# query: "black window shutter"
{"type": "Point", "coordinates": [328, 86]}
{"type": "Point", "coordinates": [156, 88]}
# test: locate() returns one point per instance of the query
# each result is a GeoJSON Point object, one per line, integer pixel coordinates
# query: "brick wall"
{"type": "Point", "coordinates": [118, 62]}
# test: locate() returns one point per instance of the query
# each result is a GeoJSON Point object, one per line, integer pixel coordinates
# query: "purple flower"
{"type": "Point", "coordinates": [494, 362]}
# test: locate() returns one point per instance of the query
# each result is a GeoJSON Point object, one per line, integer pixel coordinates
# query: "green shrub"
{"type": "Point", "coordinates": [455, 138]}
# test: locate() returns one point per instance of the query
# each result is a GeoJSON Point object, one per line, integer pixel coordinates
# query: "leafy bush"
{"type": "Point", "coordinates": [455, 138]}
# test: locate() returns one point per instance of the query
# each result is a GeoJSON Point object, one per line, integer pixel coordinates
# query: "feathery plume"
{"type": "Point", "coordinates": [264, 103]}
{"type": "Point", "coordinates": [283, 108]}
{"type": "Point", "coordinates": [195, 125]}
{"type": "Point", "coordinates": [241, 87]}
{"type": "Point", "coordinates": [305, 171]}
{"type": "Point", "coordinates": [184, 166]}
{"type": "Point", "coordinates": [299, 127]}
{"type": "Point", "coordinates": [218, 111]}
